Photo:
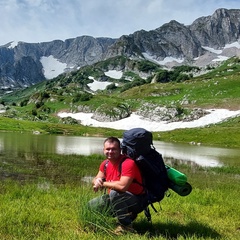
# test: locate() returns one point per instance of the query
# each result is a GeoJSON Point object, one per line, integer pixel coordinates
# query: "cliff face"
{"type": "Point", "coordinates": [21, 65]}
{"type": "Point", "coordinates": [217, 30]}
{"type": "Point", "coordinates": [185, 43]}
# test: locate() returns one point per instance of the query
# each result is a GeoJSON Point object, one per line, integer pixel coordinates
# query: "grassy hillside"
{"type": "Point", "coordinates": [218, 88]}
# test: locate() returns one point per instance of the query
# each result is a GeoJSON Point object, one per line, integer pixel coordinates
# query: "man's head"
{"type": "Point", "coordinates": [112, 149]}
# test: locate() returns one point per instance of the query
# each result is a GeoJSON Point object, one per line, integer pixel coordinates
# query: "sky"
{"type": "Point", "coordinates": [47, 20]}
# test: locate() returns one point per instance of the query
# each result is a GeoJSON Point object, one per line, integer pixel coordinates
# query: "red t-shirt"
{"type": "Point", "coordinates": [129, 169]}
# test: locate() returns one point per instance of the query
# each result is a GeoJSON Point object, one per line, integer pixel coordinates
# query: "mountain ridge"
{"type": "Point", "coordinates": [169, 45]}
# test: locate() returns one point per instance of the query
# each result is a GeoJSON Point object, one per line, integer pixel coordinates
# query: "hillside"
{"type": "Point", "coordinates": [176, 90]}
{"type": "Point", "coordinates": [165, 95]}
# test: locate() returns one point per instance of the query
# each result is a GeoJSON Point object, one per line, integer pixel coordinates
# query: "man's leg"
{"type": "Point", "coordinates": [101, 204]}
{"type": "Point", "coordinates": [125, 206]}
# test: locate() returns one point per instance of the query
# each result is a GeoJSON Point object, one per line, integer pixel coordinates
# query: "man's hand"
{"type": "Point", "coordinates": [98, 184]}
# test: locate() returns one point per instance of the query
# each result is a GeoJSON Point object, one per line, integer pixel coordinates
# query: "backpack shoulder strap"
{"type": "Point", "coordinates": [119, 167]}
{"type": "Point", "coordinates": [105, 167]}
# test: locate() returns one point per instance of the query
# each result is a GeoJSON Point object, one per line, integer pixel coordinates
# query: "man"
{"type": "Point", "coordinates": [121, 176]}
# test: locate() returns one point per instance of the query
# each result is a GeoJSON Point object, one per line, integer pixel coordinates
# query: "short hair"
{"type": "Point", "coordinates": [112, 140]}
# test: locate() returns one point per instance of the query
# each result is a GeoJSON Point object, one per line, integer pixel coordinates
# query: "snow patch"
{"type": "Point", "coordinates": [214, 116]}
{"type": "Point", "coordinates": [52, 67]}
{"type": "Point", "coordinates": [13, 44]}
{"type": "Point", "coordinates": [97, 85]}
{"type": "Point", "coordinates": [234, 44]}
{"type": "Point", "coordinates": [171, 59]}
{"type": "Point", "coordinates": [164, 61]}
{"type": "Point", "coordinates": [220, 59]}
{"type": "Point", "coordinates": [212, 50]}
{"type": "Point", "coordinates": [219, 51]}
{"type": "Point", "coordinates": [114, 74]}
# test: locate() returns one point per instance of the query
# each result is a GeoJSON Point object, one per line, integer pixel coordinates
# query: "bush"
{"type": "Point", "coordinates": [112, 86]}
{"type": "Point", "coordinates": [162, 76]}
{"type": "Point", "coordinates": [39, 104]}
{"type": "Point", "coordinates": [82, 97]}
{"type": "Point", "coordinates": [24, 103]}
{"type": "Point", "coordinates": [146, 66]}
{"type": "Point", "coordinates": [34, 112]}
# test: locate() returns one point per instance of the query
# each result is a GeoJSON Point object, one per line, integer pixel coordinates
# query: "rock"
{"type": "Point", "coordinates": [156, 113]}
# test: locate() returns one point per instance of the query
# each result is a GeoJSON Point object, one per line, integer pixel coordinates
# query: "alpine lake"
{"type": "Point", "coordinates": [18, 148]}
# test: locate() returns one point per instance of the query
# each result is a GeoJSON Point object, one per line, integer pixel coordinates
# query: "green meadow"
{"type": "Point", "coordinates": [46, 198]}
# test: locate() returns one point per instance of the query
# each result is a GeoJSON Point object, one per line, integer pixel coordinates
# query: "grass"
{"type": "Point", "coordinates": [38, 211]}
{"type": "Point", "coordinates": [14, 125]}
{"type": "Point", "coordinates": [226, 134]}
{"type": "Point", "coordinates": [52, 203]}
{"type": "Point", "coordinates": [218, 92]}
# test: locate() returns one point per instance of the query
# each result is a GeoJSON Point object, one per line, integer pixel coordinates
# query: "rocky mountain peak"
{"type": "Point", "coordinates": [171, 44]}
{"type": "Point", "coordinates": [219, 29]}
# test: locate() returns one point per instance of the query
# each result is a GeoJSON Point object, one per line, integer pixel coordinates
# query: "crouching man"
{"type": "Point", "coordinates": [121, 176]}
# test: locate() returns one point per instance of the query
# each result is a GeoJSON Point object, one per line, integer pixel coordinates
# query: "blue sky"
{"type": "Point", "coordinates": [47, 20]}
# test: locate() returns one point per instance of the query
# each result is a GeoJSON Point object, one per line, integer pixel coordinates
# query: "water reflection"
{"type": "Point", "coordinates": [1, 145]}
{"type": "Point", "coordinates": [78, 145]}
{"type": "Point", "coordinates": [203, 156]}
{"type": "Point", "coordinates": [11, 144]}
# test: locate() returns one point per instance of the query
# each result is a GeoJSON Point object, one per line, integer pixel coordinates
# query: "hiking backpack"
{"type": "Point", "coordinates": [137, 143]}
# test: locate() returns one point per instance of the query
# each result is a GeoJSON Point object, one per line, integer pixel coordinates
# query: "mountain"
{"type": "Point", "coordinates": [25, 64]}
{"type": "Point", "coordinates": [206, 41]}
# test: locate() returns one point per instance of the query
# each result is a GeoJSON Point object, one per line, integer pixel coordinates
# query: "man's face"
{"type": "Point", "coordinates": [112, 150]}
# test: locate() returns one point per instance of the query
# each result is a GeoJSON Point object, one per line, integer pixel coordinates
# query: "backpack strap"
{"type": "Point", "coordinates": [119, 167]}
{"type": "Point", "coordinates": [105, 167]}
{"type": "Point", "coordinates": [148, 214]}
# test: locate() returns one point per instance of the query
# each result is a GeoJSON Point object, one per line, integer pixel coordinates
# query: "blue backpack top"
{"type": "Point", "coordinates": [136, 142]}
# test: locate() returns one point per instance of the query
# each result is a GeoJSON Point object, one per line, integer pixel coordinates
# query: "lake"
{"type": "Point", "coordinates": [13, 144]}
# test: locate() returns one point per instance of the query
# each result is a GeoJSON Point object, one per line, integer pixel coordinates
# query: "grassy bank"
{"type": "Point", "coordinates": [46, 197]}
{"type": "Point", "coordinates": [226, 134]}
{"type": "Point", "coordinates": [13, 125]}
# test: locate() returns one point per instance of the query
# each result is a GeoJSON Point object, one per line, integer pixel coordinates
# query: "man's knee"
{"type": "Point", "coordinates": [99, 203]}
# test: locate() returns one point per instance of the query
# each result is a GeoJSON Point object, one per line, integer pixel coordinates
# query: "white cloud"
{"type": "Point", "coordinates": [47, 20]}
